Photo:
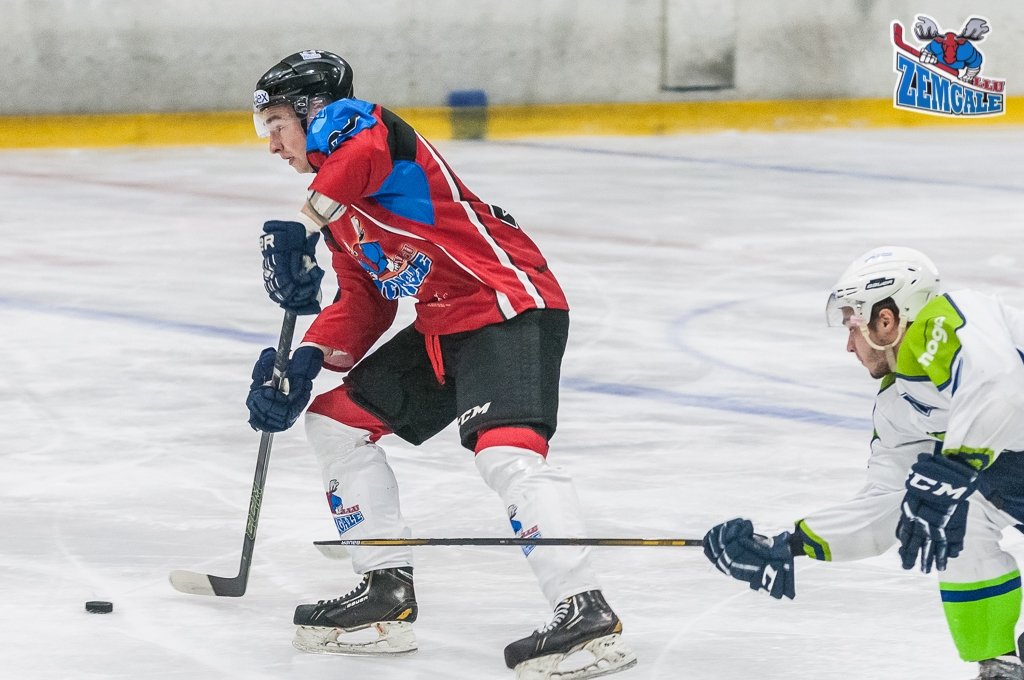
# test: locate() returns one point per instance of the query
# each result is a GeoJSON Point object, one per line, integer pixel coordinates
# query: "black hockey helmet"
{"type": "Point", "coordinates": [299, 78]}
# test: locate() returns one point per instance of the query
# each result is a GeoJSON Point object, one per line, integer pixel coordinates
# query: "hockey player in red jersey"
{"type": "Point", "coordinates": [485, 350]}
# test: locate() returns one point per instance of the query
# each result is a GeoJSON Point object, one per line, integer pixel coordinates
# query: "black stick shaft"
{"type": "Point", "coordinates": [284, 348]}
{"type": "Point", "coordinates": [635, 542]}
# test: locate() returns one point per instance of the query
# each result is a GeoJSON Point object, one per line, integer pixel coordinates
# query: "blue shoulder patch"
{"type": "Point", "coordinates": [406, 192]}
{"type": "Point", "coordinates": [337, 122]}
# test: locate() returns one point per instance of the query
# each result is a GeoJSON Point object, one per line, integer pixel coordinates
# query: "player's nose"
{"type": "Point", "coordinates": [274, 144]}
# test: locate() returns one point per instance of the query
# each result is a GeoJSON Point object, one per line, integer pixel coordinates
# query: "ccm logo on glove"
{"type": "Point", "coordinates": [937, 488]}
{"type": "Point", "coordinates": [933, 523]}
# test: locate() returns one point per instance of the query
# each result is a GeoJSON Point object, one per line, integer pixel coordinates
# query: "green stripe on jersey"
{"type": "Point", "coordinates": [979, 459]}
{"type": "Point", "coordinates": [814, 546]}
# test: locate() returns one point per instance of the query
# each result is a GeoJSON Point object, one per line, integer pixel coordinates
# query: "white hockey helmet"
{"type": "Point", "coordinates": [906, 275]}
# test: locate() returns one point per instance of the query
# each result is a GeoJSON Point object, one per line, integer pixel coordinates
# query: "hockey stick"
{"type": "Point", "coordinates": [897, 37]}
{"type": "Point", "coordinates": [206, 584]}
{"type": "Point", "coordinates": [630, 542]}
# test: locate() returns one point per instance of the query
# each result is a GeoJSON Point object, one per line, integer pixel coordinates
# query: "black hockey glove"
{"type": "Point", "coordinates": [275, 409]}
{"type": "Point", "coordinates": [934, 518]}
{"type": "Point", "coordinates": [765, 563]}
{"type": "Point", "coordinates": [290, 273]}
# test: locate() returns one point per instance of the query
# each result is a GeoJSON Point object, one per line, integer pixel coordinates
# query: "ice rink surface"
{"type": "Point", "coordinates": [700, 383]}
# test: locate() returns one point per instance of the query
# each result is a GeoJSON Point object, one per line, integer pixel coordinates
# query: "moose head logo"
{"type": "Point", "coordinates": [943, 76]}
{"type": "Point", "coordinates": [956, 51]}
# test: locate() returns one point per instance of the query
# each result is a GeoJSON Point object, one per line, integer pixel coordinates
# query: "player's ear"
{"type": "Point", "coordinates": [888, 320]}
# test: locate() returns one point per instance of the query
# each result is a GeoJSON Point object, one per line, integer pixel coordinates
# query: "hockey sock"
{"type": "Point", "coordinates": [982, 615]}
{"type": "Point", "coordinates": [362, 492]}
{"type": "Point", "coordinates": [541, 501]}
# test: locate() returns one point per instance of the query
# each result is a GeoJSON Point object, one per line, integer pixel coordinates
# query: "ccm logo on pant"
{"type": "Point", "coordinates": [474, 412]}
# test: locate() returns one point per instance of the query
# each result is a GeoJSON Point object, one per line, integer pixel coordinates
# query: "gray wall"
{"type": "Point", "coordinates": [73, 56]}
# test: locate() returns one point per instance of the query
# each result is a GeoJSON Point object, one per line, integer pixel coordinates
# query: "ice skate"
{"type": "Point", "coordinates": [1001, 668]}
{"type": "Point", "coordinates": [374, 618]}
{"type": "Point", "coordinates": [582, 641]}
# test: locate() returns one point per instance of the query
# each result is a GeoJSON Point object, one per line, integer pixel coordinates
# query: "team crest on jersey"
{"type": "Point", "coordinates": [395, 275]}
{"type": "Point", "coordinates": [517, 527]}
{"type": "Point", "coordinates": [943, 76]}
{"type": "Point", "coordinates": [344, 518]}
{"type": "Point", "coordinates": [919, 406]}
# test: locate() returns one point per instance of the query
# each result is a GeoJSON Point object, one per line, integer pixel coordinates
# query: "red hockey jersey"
{"type": "Point", "coordinates": [400, 223]}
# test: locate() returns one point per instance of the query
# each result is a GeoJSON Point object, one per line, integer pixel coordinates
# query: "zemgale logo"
{"type": "Point", "coordinates": [944, 76]}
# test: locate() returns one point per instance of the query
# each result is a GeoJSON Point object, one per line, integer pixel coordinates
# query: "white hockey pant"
{"type": "Point", "coordinates": [980, 597]}
{"type": "Point", "coordinates": [542, 499]}
{"type": "Point", "coordinates": [982, 557]}
{"type": "Point", "coordinates": [363, 492]}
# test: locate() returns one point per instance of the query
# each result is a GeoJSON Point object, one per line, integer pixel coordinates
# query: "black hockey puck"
{"type": "Point", "coordinates": [99, 607]}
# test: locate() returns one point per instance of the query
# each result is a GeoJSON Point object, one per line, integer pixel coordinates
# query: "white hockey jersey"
{"type": "Point", "coordinates": [958, 388]}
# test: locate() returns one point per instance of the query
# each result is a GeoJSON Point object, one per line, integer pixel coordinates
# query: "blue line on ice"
{"type": "Point", "coordinates": [580, 384]}
{"type": "Point", "coordinates": [678, 336]}
{"type": "Point", "coordinates": [205, 330]}
{"type": "Point", "coordinates": [717, 403]}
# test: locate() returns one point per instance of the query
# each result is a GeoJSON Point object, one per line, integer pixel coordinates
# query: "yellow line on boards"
{"type": "Point", "coordinates": [497, 122]}
{"type": "Point", "coordinates": [131, 129]}
{"type": "Point", "coordinates": [764, 116]}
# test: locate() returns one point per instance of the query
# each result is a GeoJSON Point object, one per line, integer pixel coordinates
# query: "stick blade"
{"type": "Point", "coordinates": [191, 582]}
{"type": "Point", "coordinates": [195, 583]}
{"type": "Point", "coordinates": [332, 552]}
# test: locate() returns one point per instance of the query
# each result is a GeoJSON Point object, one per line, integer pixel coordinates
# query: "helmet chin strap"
{"type": "Point", "coordinates": [890, 355]}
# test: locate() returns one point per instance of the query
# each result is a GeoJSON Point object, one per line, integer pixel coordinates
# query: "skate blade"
{"type": "Point", "coordinates": [610, 655]}
{"type": "Point", "coordinates": [391, 637]}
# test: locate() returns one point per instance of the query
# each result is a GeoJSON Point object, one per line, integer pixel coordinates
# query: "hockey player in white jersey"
{"type": "Point", "coordinates": [946, 470]}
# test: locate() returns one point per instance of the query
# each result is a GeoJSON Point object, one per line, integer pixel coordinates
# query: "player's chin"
{"type": "Point", "coordinates": [878, 372]}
